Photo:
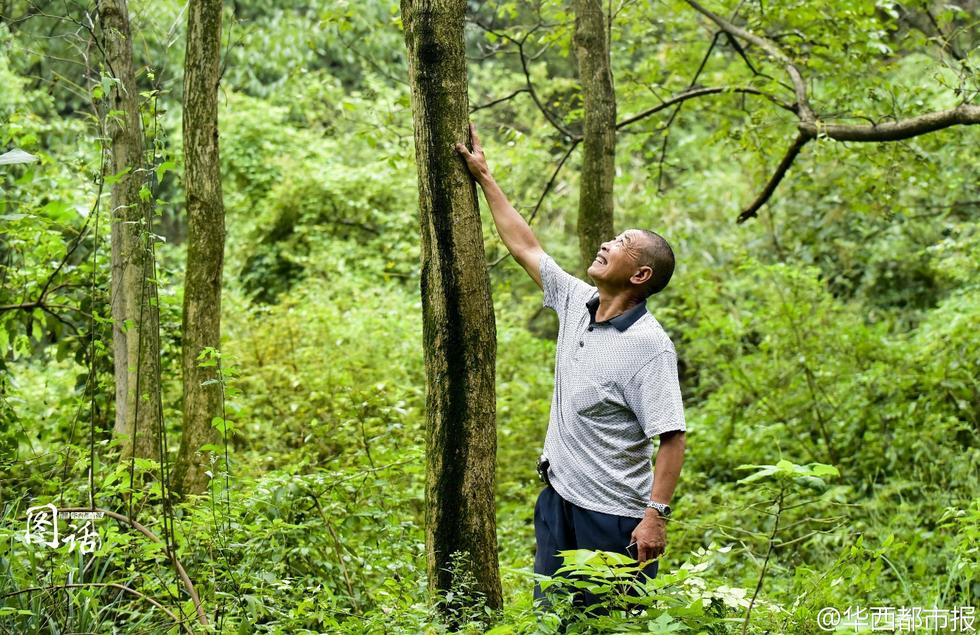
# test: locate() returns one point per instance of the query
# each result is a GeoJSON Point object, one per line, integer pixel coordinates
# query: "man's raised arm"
{"type": "Point", "coordinates": [513, 229]}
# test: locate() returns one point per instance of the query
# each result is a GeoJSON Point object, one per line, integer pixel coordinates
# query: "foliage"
{"type": "Point", "coordinates": [836, 332]}
{"type": "Point", "coordinates": [690, 598]}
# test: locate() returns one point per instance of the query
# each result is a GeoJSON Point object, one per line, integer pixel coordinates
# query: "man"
{"type": "Point", "coordinates": [616, 389]}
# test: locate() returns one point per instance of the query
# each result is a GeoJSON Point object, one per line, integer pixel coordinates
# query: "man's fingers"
{"type": "Point", "coordinates": [462, 149]}
{"type": "Point", "coordinates": [475, 138]}
{"type": "Point", "coordinates": [648, 551]}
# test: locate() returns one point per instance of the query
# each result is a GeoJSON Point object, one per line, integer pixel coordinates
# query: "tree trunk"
{"type": "Point", "coordinates": [205, 242]}
{"type": "Point", "coordinates": [595, 209]}
{"type": "Point", "coordinates": [136, 322]}
{"type": "Point", "coordinates": [458, 323]}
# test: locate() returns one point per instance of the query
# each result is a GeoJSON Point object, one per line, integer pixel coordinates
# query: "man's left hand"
{"type": "Point", "coordinates": [650, 536]}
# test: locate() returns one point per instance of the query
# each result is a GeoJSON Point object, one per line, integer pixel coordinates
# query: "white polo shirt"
{"type": "Point", "coordinates": [616, 388]}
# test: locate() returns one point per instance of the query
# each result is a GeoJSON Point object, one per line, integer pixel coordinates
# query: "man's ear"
{"type": "Point", "coordinates": [642, 275]}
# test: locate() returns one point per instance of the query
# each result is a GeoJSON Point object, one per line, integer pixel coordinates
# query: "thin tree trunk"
{"type": "Point", "coordinates": [595, 210]}
{"type": "Point", "coordinates": [120, 355]}
{"type": "Point", "coordinates": [205, 242]}
{"type": "Point", "coordinates": [134, 305]}
{"type": "Point", "coordinates": [458, 323]}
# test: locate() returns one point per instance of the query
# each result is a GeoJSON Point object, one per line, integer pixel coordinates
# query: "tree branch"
{"type": "Point", "coordinates": [946, 42]}
{"type": "Point", "coordinates": [47, 308]}
{"type": "Point", "coordinates": [670, 120]}
{"type": "Point", "coordinates": [338, 548]}
{"type": "Point", "coordinates": [59, 318]}
{"type": "Point", "coordinates": [700, 92]}
{"type": "Point", "coordinates": [962, 115]}
{"type": "Point", "coordinates": [552, 119]}
{"type": "Point", "coordinates": [23, 306]}
{"type": "Point", "coordinates": [760, 200]}
{"type": "Point", "coordinates": [188, 585]}
{"type": "Point", "coordinates": [810, 128]}
{"type": "Point", "coordinates": [366, 58]}
{"type": "Point", "coordinates": [765, 563]}
{"type": "Point", "coordinates": [745, 58]}
{"type": "Point", "coordinates": [534, 95]}
{"type": "Point", "coordinates": [490, 104]}
{"type": "Point", "coordinates": [544, 193]}
{"type": "Point", "coordinates": [554, 177]}
{"type": "Point", "coordinates": [770, 47]}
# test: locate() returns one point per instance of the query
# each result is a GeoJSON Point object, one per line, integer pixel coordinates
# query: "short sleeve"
{"type": "Point", "coordinates": [654, 395]}
{"type": "Point", "coordinates": [559, 285]}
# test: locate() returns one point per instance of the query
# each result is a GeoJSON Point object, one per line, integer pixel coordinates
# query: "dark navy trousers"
{"type": "Point", "coordinates": [560, 525]}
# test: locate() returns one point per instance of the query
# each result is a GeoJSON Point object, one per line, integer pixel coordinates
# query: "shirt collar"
{"type": "Point", "coordinates": [622, 321]}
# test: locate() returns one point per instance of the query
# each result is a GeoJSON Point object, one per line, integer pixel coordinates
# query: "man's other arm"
{"type": "Point", "coordinates": [651, 535]}
{"type": "Point", "coordinates": [513, 229]}
{"type": "Point", "coordinates": [667, 468]}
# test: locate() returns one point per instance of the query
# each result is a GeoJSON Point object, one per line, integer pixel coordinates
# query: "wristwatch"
{"type": "Point", "coordinates": [662, 508]}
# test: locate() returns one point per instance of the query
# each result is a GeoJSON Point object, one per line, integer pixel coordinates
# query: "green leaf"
{"type": "Point", "coordinates": [59, 211]}
{"type": "Point", "coordinates": [813, 482]}
{"type": "Point", "coordinates": [822, 469]}
{"type": "Point", "coordinates": [223, 426]}
{"type": "Point", "coordinates": [146, 465]}
{"type": "Point", "coordinates": [768, 471]}
{"type": "Point", "coordinates": [163, 168]}
{"type": "Point", "coordinates": [112, 179]}
{"type": "Point", "coordinates": [107, 83]}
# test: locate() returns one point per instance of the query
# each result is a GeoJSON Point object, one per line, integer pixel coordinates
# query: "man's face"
{"type": "Point", "coordinates": [617, 260]}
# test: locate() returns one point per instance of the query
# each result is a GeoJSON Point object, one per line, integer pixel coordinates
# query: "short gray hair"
{"type": "Point", "coordinates": [657, 255]}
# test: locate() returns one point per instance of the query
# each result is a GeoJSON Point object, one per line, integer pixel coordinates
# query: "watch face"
{"type": "Point", "coordinates": [667, 511]}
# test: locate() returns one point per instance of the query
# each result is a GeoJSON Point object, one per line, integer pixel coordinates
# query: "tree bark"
{"type": "Point", "coordinates": [205, 243]}
{"type": "Point", "coordinates": [595, 209]}
{"type": "Point", "coordinates": [458, 323]}
{"type": "Point", "coordinates": [135, 313]}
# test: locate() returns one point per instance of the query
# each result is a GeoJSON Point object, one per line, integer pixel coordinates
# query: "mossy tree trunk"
{"type": "Point", "coordinates": [595, 210]}
{"type": "Point", "coordinates": [458, 323]}
{"type": "Point", "coordinates": [135, 312]}
{"type": "Point", "coordinates": [205, 244]}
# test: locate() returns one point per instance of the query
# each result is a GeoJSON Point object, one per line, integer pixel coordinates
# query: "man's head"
{"type": "Point", "coordinates": [637, 260]}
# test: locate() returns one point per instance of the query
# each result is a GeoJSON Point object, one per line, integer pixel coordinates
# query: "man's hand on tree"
{"type": "Point", "coordinates": [650, 537]}
{"type": "Point", "coordinates": [476, 161]}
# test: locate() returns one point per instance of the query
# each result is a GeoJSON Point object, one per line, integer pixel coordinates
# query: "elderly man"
{"type": "Point", "coordinates": [616, 389]}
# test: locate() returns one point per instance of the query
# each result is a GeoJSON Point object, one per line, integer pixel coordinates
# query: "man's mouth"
{"type": "Point", "coordinates": [600, 259]}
